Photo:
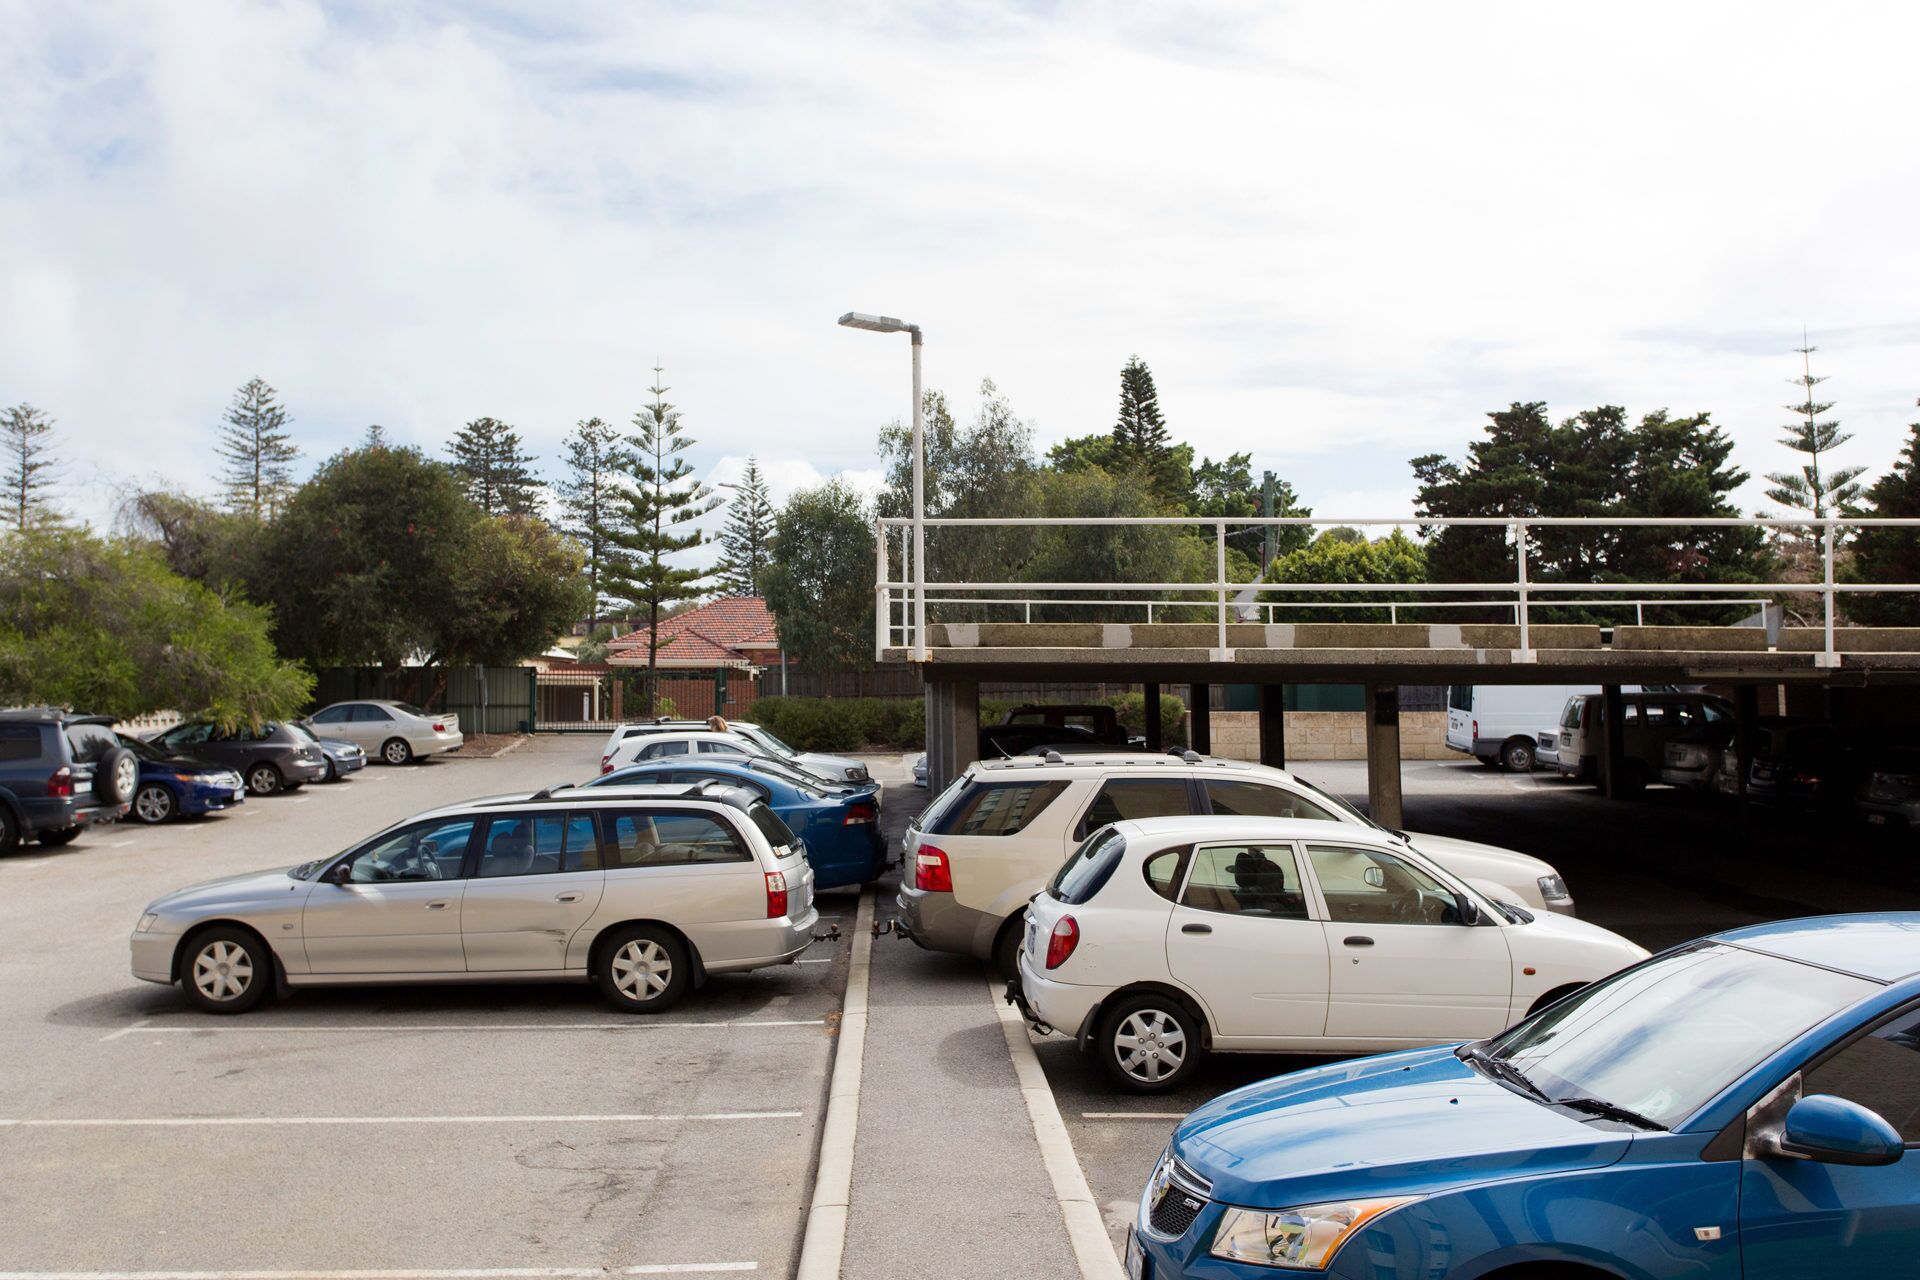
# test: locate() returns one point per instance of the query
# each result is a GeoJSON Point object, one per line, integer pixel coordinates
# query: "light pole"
{"type": "Point", "coordinates": [887, 324]}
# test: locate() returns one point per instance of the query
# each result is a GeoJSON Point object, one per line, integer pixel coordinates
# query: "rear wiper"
{"type": "Point", "coordinates": [1503, 1069]}
{"type": "Point", "coordinates": [1608, 1110]}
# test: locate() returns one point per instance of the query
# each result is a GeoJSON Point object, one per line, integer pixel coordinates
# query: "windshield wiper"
{"type": "Point", "coordinates": [1608, 1110]}
{"type": "Point", "coordinates": [1502, 1069]}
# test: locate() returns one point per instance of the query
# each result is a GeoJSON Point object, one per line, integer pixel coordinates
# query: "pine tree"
{"type": "Point", "coordinates": [1141, 439]}
{"type": "Point", "coordinates": [497, 473]}
{"type": "Point", "coordinates": [1889, 554]}
{"type": "Point", "coordinates": [258, 451]}
{"type": "Point", "coordinates": [1819, 494]}
{"type": "Point", "coordinates": [589, 496]}
{"type": "Point", "coordinates": [744, 541]}
{"type": "Point", "coordinates": [24, 432]}
{"type": "Point", "coordinates": [656, 521]}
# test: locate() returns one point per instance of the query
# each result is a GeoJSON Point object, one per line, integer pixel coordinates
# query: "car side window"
{"type": "Point", "coordinates": [1366, 886]}
{"type": "Point", "coordinates": [187, 735]}
{"type": "Point", "coordinates": [721, 749]}
{"type": "Point", "coordinates": [332, 715]}
{"type": "Point", "coordinates": [654, 750]}
{"type": "Point", "coordinates": [19, 742]}
{"type": "Point", "coordinates": [1880, 1071]}
{"type": "Point", "coordinates": [1246, 880]}
{"type": "Point", "coordinates": [580, 845]}
{"type": "Point", "coordinates": [998, 808]}
{"type": "Point", "coordinates": [1123, 798]}
{"type": "Point", "coordinates": [509, 847]}
{"type": "Point", "coordinates": [670, 838]}
{"type": "Point", "coordinates": [1253, 800]}
{"type": "Point", "coordinates": [1715, 711]}
{"type": "Point", "coordinates": [368, 713]}
{"type": "Point", "coordinates": [424, 851]}
{"type": "Point", "coordinates": [1163, 871]}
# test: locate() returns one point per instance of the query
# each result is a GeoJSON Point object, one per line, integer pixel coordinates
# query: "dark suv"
{"type": "Point", "coordinates": [59, 774]}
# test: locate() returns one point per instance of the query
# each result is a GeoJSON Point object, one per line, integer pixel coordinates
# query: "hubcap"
{"type": "Point", "coordinates": [262, 781]}
{"type": "Point", "coordinates": [642, 969]}
{"type": "Point", "coordinates": [223, 971]}
{"type": "Point", "coordinates": [153, 804]}
{"type": "Point", "coordinates": [124, 776]}
{"type": "Point", "coordinates": [396, 753]}
{"type": "Point", "coordinates": [1149, 1045]}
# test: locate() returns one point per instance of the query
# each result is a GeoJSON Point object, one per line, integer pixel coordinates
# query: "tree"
{"type": "Point", "coordinates": [104, 625]}
{"type": "Point", "coordinates": [1107, 553]}
{"type": "Point", "coordinates": [220, 549]}
{"type": "Point", "coordinates": [1889, 555]}
{"type": "Point", "coordinates": [819, 581]}
{"type": "Point", "coordinates": [743, 542]}
{"type": "Point", "coordinates": [655, 523]}
{"type": "Point", "coordinates": [1141, 438]}
{"type": "Point", "coordinates": [1334, 558]}
{"type": "Point", "coordinates": [258, 450]}
{"type": "Point", "coordinates": [497, 472]}
{"type": "Point", "coordinates": [1819, 494]}
{"type": "Point", "coordinates": [1227, 488]}
{"type": "Point", "coordinates": [589, 495]}
{"type": "Point", "coordinates": [25, 436]}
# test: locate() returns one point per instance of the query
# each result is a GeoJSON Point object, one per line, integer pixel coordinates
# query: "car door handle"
{"type": "Point", "coordinates": [568, 897]}
{"type": "Point", "coordinates": [1196, 928]}
{"type": "Point", "coordinates": [1359, 940]}
{"type": "Point", "coordinates": [437, 906]}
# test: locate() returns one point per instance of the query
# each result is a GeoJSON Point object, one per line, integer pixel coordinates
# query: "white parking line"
{"type": "Point", "coordinates": [1133, 1115]}
{"type": "Point", "coordinates": [145, 1028]}
{"type": "Point", "coordinates": [118, 844]}
{"type": "Point", "coordinates": [187, 1122]}
{"type": "Point", "coordinates": [462, 1273]}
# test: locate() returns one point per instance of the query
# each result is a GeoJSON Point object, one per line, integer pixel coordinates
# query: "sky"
{"type": "Point", "coordinates": [1339, 234]}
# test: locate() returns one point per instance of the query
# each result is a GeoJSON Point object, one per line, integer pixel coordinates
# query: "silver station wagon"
{"type": "Point", "coordinates": [641, 890]}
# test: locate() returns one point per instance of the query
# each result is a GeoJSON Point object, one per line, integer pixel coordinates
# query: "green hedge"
{"type": "Point", "coordinates": [900, 724]}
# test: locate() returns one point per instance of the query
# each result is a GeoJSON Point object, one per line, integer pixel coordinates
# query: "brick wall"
{"type": "Point", "coordinates": [1329, 735]}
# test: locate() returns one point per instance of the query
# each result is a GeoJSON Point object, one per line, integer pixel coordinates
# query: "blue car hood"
{"type": "Point", "coordinates": [1409, 1122]}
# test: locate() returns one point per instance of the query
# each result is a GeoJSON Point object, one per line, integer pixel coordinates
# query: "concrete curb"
{"type": "Point", "coordinates": [1086, 1229]}
{"type": "Point", "coordinates": [825, 1241]}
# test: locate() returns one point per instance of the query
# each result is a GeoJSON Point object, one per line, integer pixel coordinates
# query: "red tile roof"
{"type": "Point", "coordinates": [732, 629]}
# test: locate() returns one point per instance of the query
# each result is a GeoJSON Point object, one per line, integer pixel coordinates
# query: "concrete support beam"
{"type": "Point", "coordinates": [953, 730]}
{"type": "Point", "coordinates": [1201, 712]}
{"type": "Point", "coordinates": [1155, 739]}
{"type": "Point", "coordinates": [1613, 742]}
{"type": "Point", "coordinates": [1383, 755]}
{"type": "Point", "coordinates": [1273, 725]}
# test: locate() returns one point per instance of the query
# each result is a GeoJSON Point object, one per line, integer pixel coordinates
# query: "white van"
{"type": "Point", "coordinates": [1498, 723]}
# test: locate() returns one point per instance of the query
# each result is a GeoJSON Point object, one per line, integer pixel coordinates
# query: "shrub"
{"type": "Point", "coordinates": [1173, 716]}
{"type": "Point", "coordinates": [844, 724]}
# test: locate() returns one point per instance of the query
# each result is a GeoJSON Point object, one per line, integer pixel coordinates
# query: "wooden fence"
{"type": "Point", "coordinates": [487, 699]}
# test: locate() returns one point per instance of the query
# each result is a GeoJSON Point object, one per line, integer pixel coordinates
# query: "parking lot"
{"type": "Point", "coordinates": [511, 1130]}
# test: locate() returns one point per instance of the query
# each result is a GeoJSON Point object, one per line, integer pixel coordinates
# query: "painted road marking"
{"type": "Point", "coordinates": [182, 1122]}
{"type": "Point", "coordinates": [146, 1028]}
{"type": "Point", "coordinates": [463, 1273]}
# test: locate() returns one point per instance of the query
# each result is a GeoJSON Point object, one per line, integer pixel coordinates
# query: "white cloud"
{"type": "Point", "coordinates": [1339, 234]}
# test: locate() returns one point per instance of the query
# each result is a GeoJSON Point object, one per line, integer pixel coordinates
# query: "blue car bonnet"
{"type": "Point", "coordinates": [1403, 1123]}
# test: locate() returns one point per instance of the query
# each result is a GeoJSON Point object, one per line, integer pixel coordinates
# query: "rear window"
{"type": "Point", "coordinates": [1460, 697]}
{"type": "Point", "coordinates": [1089, 869]}
{"type": "Point", "coordinates": [778, 834]}
{"type": "Point", "coordinates": [995, 808]}
{"type": "Point", "coordinates": [90, 741]}
{"type": "Point", "coordinates": [668, 838]}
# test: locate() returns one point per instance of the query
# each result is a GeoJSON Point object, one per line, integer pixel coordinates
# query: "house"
{"type": "Point", "coordinates": [708, 656]}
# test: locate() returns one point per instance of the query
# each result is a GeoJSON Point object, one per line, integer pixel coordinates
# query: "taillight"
{"type": "Point", "coordinates": [439, 728]}
{"type": "Point", "coordinates": [776, 894]}
{"type": "Point", "coordinates": [1475, 731]}
{"type": "Point", "coordinates": [606, 764]}
{"type": "Point", "coordinates": [1807, 779]}
{"type": "Point", "coordinates": [60, 785]}
{"type": "Point", "coordinates": [859, 813]}
{"type": "Point", "coordinates": [1060, 945]}
{"type": "Point", "coordinates": [930, 870]}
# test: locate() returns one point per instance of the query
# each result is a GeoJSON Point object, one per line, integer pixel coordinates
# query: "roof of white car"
{"type": "Point", "coordinates": [1210, 827]}
{"type": "Point", "coordinates": [738, 797]}
{"type": "Point", "coordinates": [1069, 763]}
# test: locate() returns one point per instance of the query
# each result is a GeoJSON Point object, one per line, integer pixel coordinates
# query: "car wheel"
{"type": "Point", "coordinates": [264, 779]}
{"type": "Point", "coordinates": [1517, 755]}
{"type": "Point", "coordinates": [226, 970]}
{"type": "Point", "coordinates": [1150, 1043]}
{"type": "Point", "coordinates": [64, 835]}
{"type": "Point", "coordinates": [396, 751]}
{"type": "Point", "coordinates": [643, 969]}
{"type": "Point", "coordinates": [116, 776]}
{"type": "Point", "coordinates": [154, 804]}
{"type": "Point", "coordinates": [332, 774]}
{"type": "Point", "coordinates": [9, 832]}
{"type": "Point", "coordinates": [1006, 946]}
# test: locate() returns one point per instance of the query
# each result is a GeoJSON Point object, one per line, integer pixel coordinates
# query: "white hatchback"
{"type": "Point", "coordinates": [1162, 939]}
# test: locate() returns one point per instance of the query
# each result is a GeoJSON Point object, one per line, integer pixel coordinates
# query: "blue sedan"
{"type": "Point", "coordinates": [840, 825]}
{"type": "Point", "coordinates": [170, 785]}
{"type": "Point", "coordinates": [1745, 1107]}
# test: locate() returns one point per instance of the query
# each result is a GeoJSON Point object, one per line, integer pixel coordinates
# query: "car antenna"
{"type": "Point", "coordinates": [1054, 757]}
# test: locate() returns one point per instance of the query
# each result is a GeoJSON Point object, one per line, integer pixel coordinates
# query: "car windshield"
{"type": "Point", "coordinates": [1664, 1037]}
{"type": "Point", "coordinates": [1339, 804]}
{"type": "Point", "coordinates": [303, 731]}
{"type": "Point", "coordinates": [768, 740]}
{"type": "Point", "coordinates": [806, 782]}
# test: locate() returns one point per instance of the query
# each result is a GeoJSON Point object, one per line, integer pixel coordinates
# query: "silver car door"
{"type": "Point", "coordinates": [536, 882]}
{"type": "Point", "coordinates": [398, 909]}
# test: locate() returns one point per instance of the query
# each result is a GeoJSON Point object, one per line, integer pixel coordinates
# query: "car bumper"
{"type": "Point", "coordinates": [1686, 779]}
{"type": "Point", "coordinates": [70, 811]}
{"type": "Point", "coordinates": [785, 939]}
{"type": "Point", "coordinates": [344, 765]}
{"type": "Point", "coordinates": [152, 956]}
{"type": "Point", "coordinates": [1062, 1006]}
{"type": "Point", "coordinates": [1547, 758]}
{"type": "Point", "coordinates": [1895, 813]}
{"type": "Point", "coordinates": [938, 923]}
{"type": "Point", "coordinates": [437, 744]}
{"type": "Point", "coordinates": [210, 799]}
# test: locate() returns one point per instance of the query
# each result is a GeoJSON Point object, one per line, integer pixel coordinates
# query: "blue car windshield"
{"type": "Point", "coordinates": [1663, 1038]}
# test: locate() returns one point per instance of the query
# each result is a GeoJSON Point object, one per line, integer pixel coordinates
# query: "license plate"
{"type": "Point", "coordinates": [1137, 1265]}
{"type": "Point", "coordinates": [1877, 819]}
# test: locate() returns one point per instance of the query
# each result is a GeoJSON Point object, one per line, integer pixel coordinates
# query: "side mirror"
{"type": "Point", "coordinates": [338, 873]}
{"type": "Point", "coordinates": [1469, 909]}
{"type": "Point", "coordinates": [1375, 877]}
{"type": "Point", "coordinates": [1835, 1131]}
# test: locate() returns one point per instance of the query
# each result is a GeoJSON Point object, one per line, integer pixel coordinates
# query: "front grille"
{"type": "Point", "coordinates": [1179, 1196]}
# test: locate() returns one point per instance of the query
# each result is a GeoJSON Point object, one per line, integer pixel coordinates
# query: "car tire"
{"type": "Point", "coordinates": [643, 969]}
{"type": "Point", "coordinates": [332, 774]}
{"type": "Point", "coordinates": [1149, 1043]}
{"type": "Point", "coordinates": [59, 836]}
{"type": "Point", "coordinates": [264, 779]}
{"type": "Point", "coordinates": [225, 969]}
{"type": "Point", "coordinates": [116, 776]}
{"type": "Point", "coordinates": [9, 831]}
{"type": "Point", "coordinates": [154, 804]}
{"type": "Point", "coordinates": [1007, 944]}
{"type": "Point", "coordinates": [395, 751]}
{"type": "Point", "coordinates": [1516, 755]}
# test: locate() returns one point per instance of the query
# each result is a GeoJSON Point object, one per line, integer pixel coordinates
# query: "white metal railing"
{"type": "Point", "coordinates": [1525, 592]}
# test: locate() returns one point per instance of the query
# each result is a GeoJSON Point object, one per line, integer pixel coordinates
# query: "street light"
{"type": "Point", "coordinates": [888, 324]}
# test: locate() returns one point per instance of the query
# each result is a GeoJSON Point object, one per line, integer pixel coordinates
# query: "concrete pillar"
{"type": "Point", "coordinates": [1273, 725]}
{"type": "Point", "coordinates": [1383, 756]}
{"type": "Point", "coordinates": [1613, 742]}
{"type": "Point", "coordinates": [953, 730]}
{"type": "Point", "coordinates": [1202, 719]}
{"type": "Point", "coordinates": [1746, 712]}
{"type": "Point", "coordinates": [1155, 739]}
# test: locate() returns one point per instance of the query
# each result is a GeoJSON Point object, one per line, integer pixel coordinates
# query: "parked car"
{"type": "Point", "coordinates": [1693, 759]}
{"type": "Point", "coordinates": [920, 770]}
{"type": "Point", "coordinates": [993, 838]}
{"type": "Point", "coordinates": [393, 732]}
{"type": "Point", "coordinates": [1167, 938]}
{"type": "Point", "coordinates": [171, 785]}
{"type": "Point", "coordinates": [837, 768]}
{"type": "Point", "coordinates": [839, 824]}
{"type": "Point", "coordinates": [1890, 796]}
{"type": "Point", "coordinates": [272, 758]}
{"type": "Point", "coordinates": [60, 773]}
{"type": "Point", "coordinates": [678, 744]}
{"type": "Point", "coordinates": [1808, 764]}
{"type": "Point", "coordinates": [1747, 1105]}
{"type": "Point", "coordinates": [644, 891]}
{"type": "Point", "coordinates": [1095, 718]}
{"type": "Point", "coordinates": [1649, 722]}
{"type": "Point", "coordinates": [1004, 741]}
{"type": "Point", "coordinates": [1496, 723]}
{"type": "Point", "coordinates": [1546, 749]}
{"type": "Point", "coordinates": [342, 757]}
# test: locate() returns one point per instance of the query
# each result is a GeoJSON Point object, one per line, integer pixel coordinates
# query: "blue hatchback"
{"type": "Point", "coordinates": [1745, 1107]}
{"type": "Point", "coordinates": [171, 785]}
{"type": "Point", "coordinates": [840, 825]}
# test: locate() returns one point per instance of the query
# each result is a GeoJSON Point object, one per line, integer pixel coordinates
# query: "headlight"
{"type": "Point", "coordinates": [1304, 1238]}
{"type": "Point", "coordinates": [1553, 888]}
{"type": "Point", "coordinates": [147, 922]}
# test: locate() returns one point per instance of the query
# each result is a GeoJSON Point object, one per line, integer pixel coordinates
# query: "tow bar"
{"type": "Point", "coordinates": [896, 926]}
{"type": "Point", "coordinates": [830, 934]}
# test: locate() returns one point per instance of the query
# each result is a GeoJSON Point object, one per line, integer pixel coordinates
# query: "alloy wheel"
{"type": "Point", "coordinates": [125, 775]}
{"type": "Point", "coordinates": [153, 804]}
{"type": "Point", "coordinates": [1149, 1045]}
{"type": "Point", "coordinates": [263, 780]}
{"type": "Point", "coordinates": [397, 752]}
{"type": "Point", "coordinates": [642, 969]}
{"type": "Point", "coordinates": [223, 971]}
